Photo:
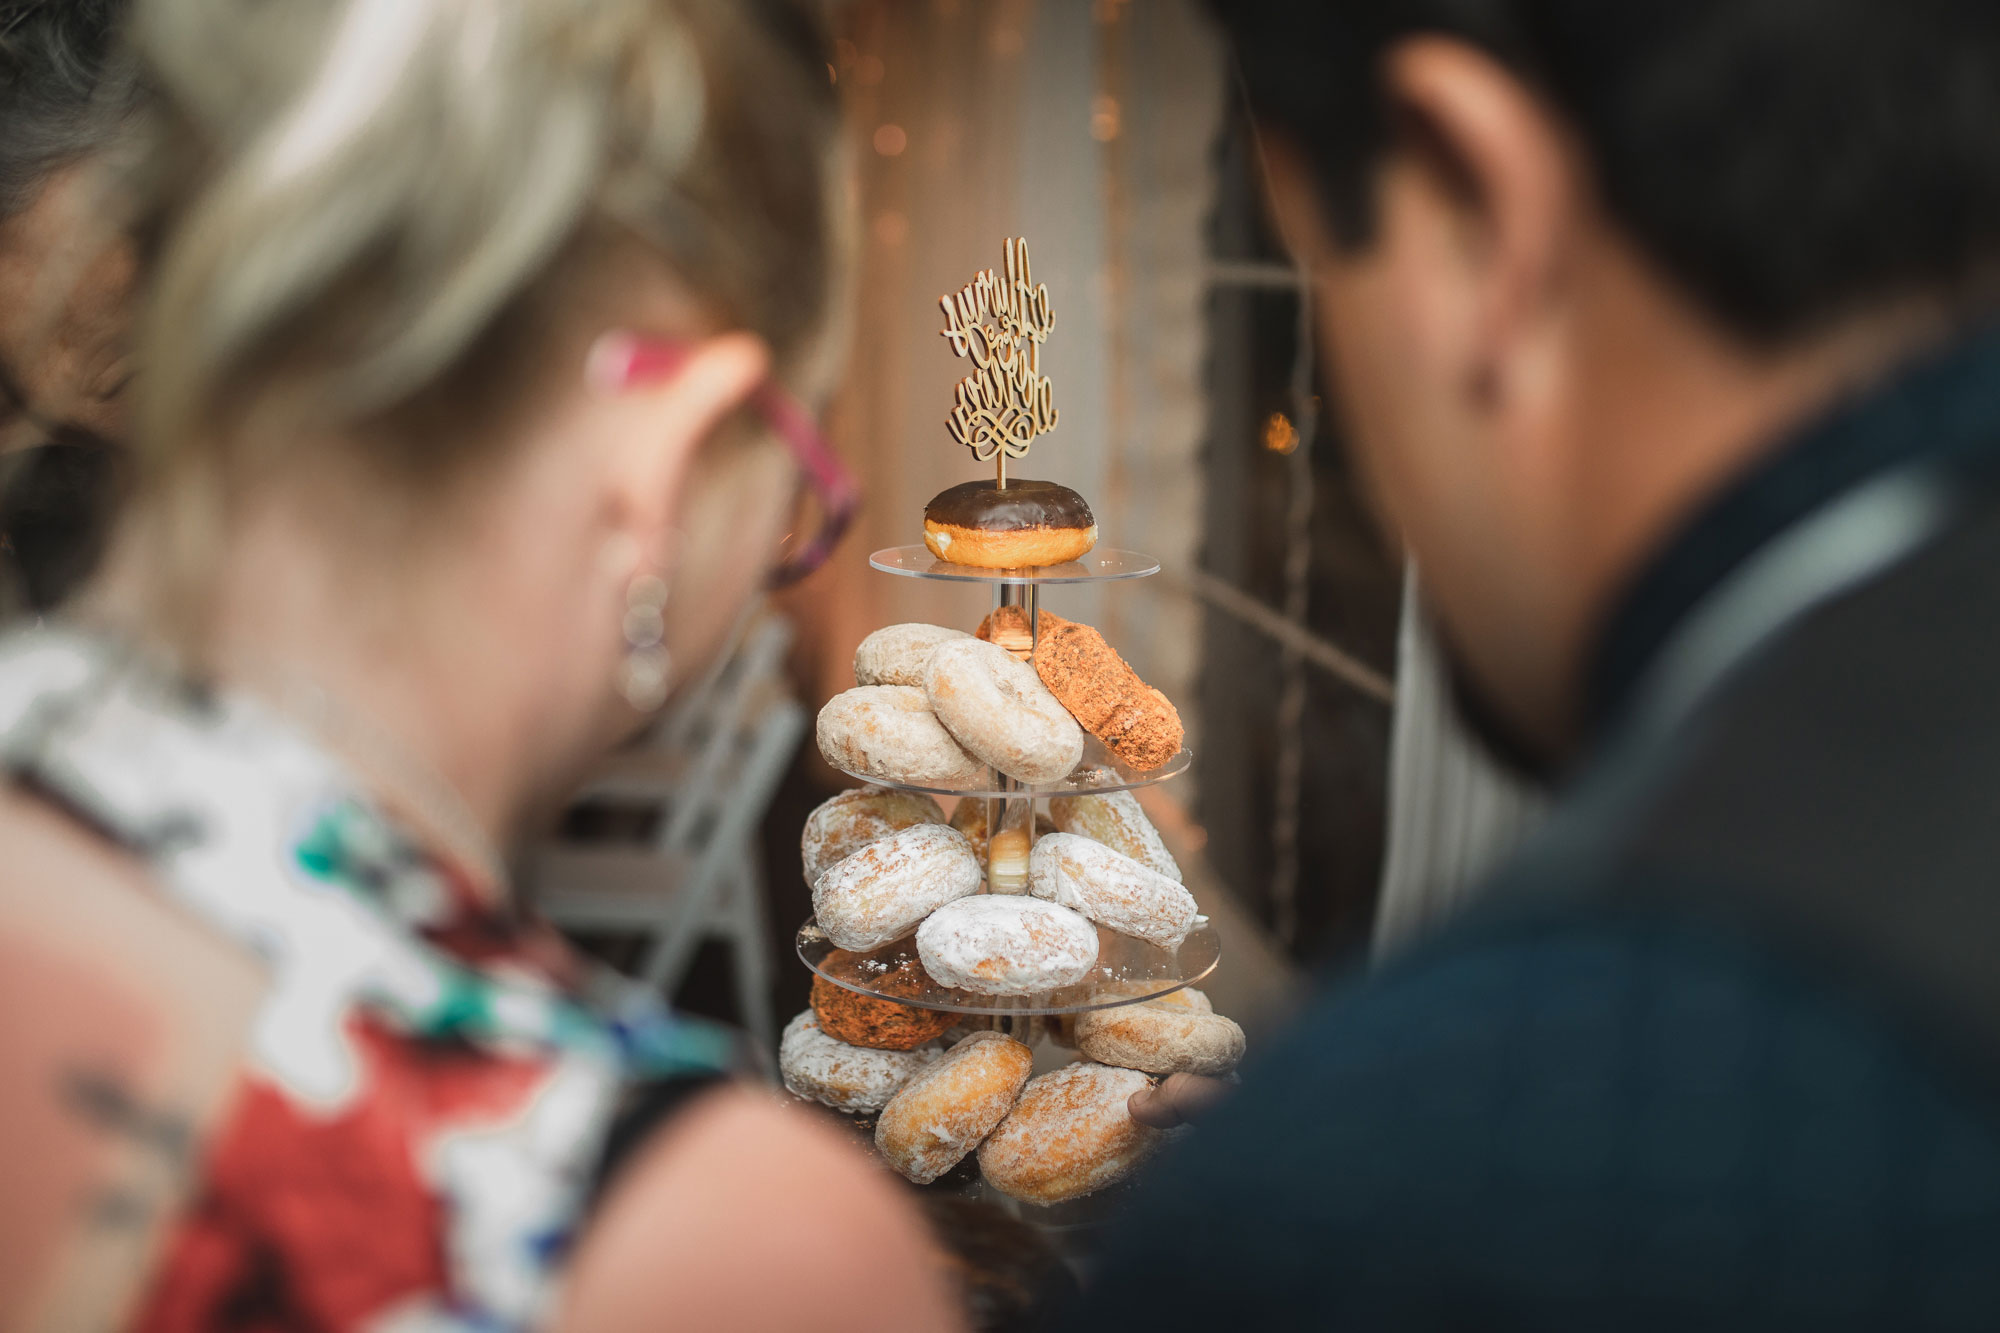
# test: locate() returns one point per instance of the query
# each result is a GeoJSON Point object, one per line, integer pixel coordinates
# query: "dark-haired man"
{"type": "Point", "coordinates": [1664, 334]}
{"type": "Point", "coordinates": [64, 287]}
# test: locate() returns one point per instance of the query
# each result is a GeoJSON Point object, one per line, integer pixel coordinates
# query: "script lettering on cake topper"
{"type": "Point", "coordinates": [1001, 322]}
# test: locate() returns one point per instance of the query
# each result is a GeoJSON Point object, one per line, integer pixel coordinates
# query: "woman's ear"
{"type": "Point", "coordinates": [663, 424]}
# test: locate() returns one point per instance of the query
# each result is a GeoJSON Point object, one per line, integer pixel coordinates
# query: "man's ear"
{"type": "Point", "coordinates": [1293, 202]}
{"type": "Point", "coordinates": [1495, 154]}
{"type": "Point", "coordinates": [662, 426]}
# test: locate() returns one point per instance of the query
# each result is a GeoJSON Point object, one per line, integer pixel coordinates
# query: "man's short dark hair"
{"type": "Point", "coordinates": [1788, 162]}
{"type": "Point", "coordinates": [58, 99]}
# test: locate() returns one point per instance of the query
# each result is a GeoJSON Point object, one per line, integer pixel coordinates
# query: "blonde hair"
{"type": "Point", "coordinates": [356, 210]}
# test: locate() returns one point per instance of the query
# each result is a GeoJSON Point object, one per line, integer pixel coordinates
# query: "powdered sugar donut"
{"type": "Point", "coordinates": [889, 732]}
{"type": "Point", "coordinates": [994, 945]}
{"type": "Point", "coordinates": [1069, 1134]}
{"type": "Point", "coordinates": [847, 1078]}
{"type": "Point", "coordinates": [850, 821]}
{"type": "Point", "coordinates": [1063, 1026]}
{"type": "Point", "coordinates": [1115, 819]}
{"type": "Point", "coordinates": [1178, 1033]}
{"type": "Point", "coordinates": [1000, 711]}
{"type": "Point", "coordinates": [880, 892]}
{"type": "Point", "coordinates": [895, 654]}
{"type": "Point", "coordinates": [949, 1107]}
{"type": "Point", "coordinates": [1111, 888]}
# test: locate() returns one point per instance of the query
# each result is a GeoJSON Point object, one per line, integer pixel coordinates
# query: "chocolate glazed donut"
{"type": "Point", "coordinates": [1028, 525]}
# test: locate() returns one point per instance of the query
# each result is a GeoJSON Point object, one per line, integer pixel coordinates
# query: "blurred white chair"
{"type": "Point", "coordinates": [699, 784]}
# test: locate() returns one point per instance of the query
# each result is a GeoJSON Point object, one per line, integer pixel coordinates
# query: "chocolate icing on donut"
{"type": "Point", "coordinates": [1024, 504]}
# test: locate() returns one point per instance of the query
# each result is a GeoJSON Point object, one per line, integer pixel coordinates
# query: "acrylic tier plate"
{"type": "Point", "coordinates": [1103, 563]}
{"type": "Point", "coordinates": [1140, 970]}
{"type": "Point", "coordinates": [1098, 772]}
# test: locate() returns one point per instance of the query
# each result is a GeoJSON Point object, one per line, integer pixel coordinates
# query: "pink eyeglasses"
{"type": "Point", "coordinates": [629, 360]}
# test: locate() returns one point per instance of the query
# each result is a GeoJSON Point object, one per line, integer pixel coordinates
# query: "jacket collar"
{"type": "Point", "coordinates": [1943, 411]}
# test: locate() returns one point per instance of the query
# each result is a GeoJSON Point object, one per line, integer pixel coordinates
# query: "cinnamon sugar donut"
{"type": "Point", "coordinates": [998, 945]}
{"type": "Point", "coordinates": [1069, 1134]}
{"type": "Point", "coordinates": [868, 1020]}
{"type": "Point", "coordinates": [842, 826]}
{"type": "Point", "coordinates": [1111, 888]}
{"type": "Point", "coordinates": [949, 1108]}
{"type": "Point", "coordinates": [996, 707]}
{"type": "Point", "coordinates": [1008, 627]}
{"type": "Point", "coordinates": [847, 1078]}
{"type": "Point", "coordinates": [1178, 1033]}
{"type": "Point", "coordinates": [1063, 1026]}
{"type": "Point", "coordinates": [895, 654]}
{"type": "Point", "coordinates": [880, 892]}
{"type": "Point", "coordinates": [1115, 819]}
{"type": "Point", "coordinates": [1135, 721]}
{"type": "Point", "coordinates": [889, 732]}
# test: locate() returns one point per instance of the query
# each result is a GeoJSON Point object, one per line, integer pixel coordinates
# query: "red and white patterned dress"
{"type": "Point", "coordinates": [429, 1078]}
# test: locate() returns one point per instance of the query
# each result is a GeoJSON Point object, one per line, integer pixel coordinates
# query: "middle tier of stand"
{"type": "Point", "coordinates": [1128, 971]}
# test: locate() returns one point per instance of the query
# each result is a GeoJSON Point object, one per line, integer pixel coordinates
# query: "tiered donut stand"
{"type": "Point", "coordinates": [1129, 971]}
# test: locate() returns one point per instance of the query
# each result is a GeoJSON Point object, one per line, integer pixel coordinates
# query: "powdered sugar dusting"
{"type": "Point", "coordinates": [949, 1108]}
{"type": "Point", "coordinates": [856, 817]}
{"type": "Point", "coordinates": [847, 1078]}
{"type": "Point", "coordinates": [1116, 820]}
{"type": "Point", "coordinates": [886, 888]}
{"type": "Point", "coordinates": [889, 732]}
{"type": "Point", "coordinates": [1070, 1134]}
{"type": "Point", "coordinates": [1112, 888]}
{"type": "Point", "coordinates": [997, 945]}
{"type": "Point", "coordinates": [1000, 711]}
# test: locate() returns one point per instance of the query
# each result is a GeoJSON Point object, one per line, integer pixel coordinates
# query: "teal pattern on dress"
{"type": "Point", "coordinates": [351, 848]}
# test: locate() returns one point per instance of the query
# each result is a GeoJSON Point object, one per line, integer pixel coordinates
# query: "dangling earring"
{"type": "Point", "coordinates": [646, 673]}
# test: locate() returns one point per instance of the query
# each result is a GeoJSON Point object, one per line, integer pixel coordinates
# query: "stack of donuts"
{"type": "Point", "coordinates": [936, 707]}
{"type": "Point", "coordinates": [1042, 1139]}
{"type": "Point", "coordinates": [916, 899]}
{"type": "Point", "coordinates": [885, 863]}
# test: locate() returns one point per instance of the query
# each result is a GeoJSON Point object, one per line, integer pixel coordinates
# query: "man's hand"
{"type": "Point", "coordinates": [1179, 1099]}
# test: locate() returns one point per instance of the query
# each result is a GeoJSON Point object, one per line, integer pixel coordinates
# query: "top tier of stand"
{"type": "Point", "coordinates": [1102, 565]}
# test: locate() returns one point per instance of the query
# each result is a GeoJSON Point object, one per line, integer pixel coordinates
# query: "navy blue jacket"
{"type": "Point", "coordinates": [1721, 1049]}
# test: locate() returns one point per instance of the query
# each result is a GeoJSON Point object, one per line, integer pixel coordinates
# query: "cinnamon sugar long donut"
{"type": "Point", "coordinates": [1135, 721]}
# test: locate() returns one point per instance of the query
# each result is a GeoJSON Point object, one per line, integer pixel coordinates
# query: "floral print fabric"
{"type": "Point", "coordinates": [430, 1077]}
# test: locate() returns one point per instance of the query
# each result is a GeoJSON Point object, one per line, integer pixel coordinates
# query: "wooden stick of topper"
{"type": "Point", "coordinates": [1001, 324]}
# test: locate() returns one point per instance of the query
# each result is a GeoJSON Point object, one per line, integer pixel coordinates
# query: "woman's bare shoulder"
{"type": "Point", "coordinates": [46, 847]}
{"type": "Point", "coordinates": [121, 1010]}
{"type": "Point", "coordinates": [751, 1214]}
{"type": "Point", "coordinates": [76, 896]}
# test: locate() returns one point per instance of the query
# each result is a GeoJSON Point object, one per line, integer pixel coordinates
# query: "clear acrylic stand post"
{"type": "Point", "coordinates": [1003, 812]}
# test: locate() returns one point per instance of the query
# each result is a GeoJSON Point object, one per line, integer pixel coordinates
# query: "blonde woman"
{"type": "Point", "coordinates": [460, 442]}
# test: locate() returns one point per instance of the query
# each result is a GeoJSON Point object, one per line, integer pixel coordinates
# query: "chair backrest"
{"type": "Point", "coordinates": [686, 769]}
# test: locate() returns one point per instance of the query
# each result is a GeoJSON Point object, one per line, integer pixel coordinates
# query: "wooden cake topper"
{"type": "Point", "coordinates": [1001, 323]}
